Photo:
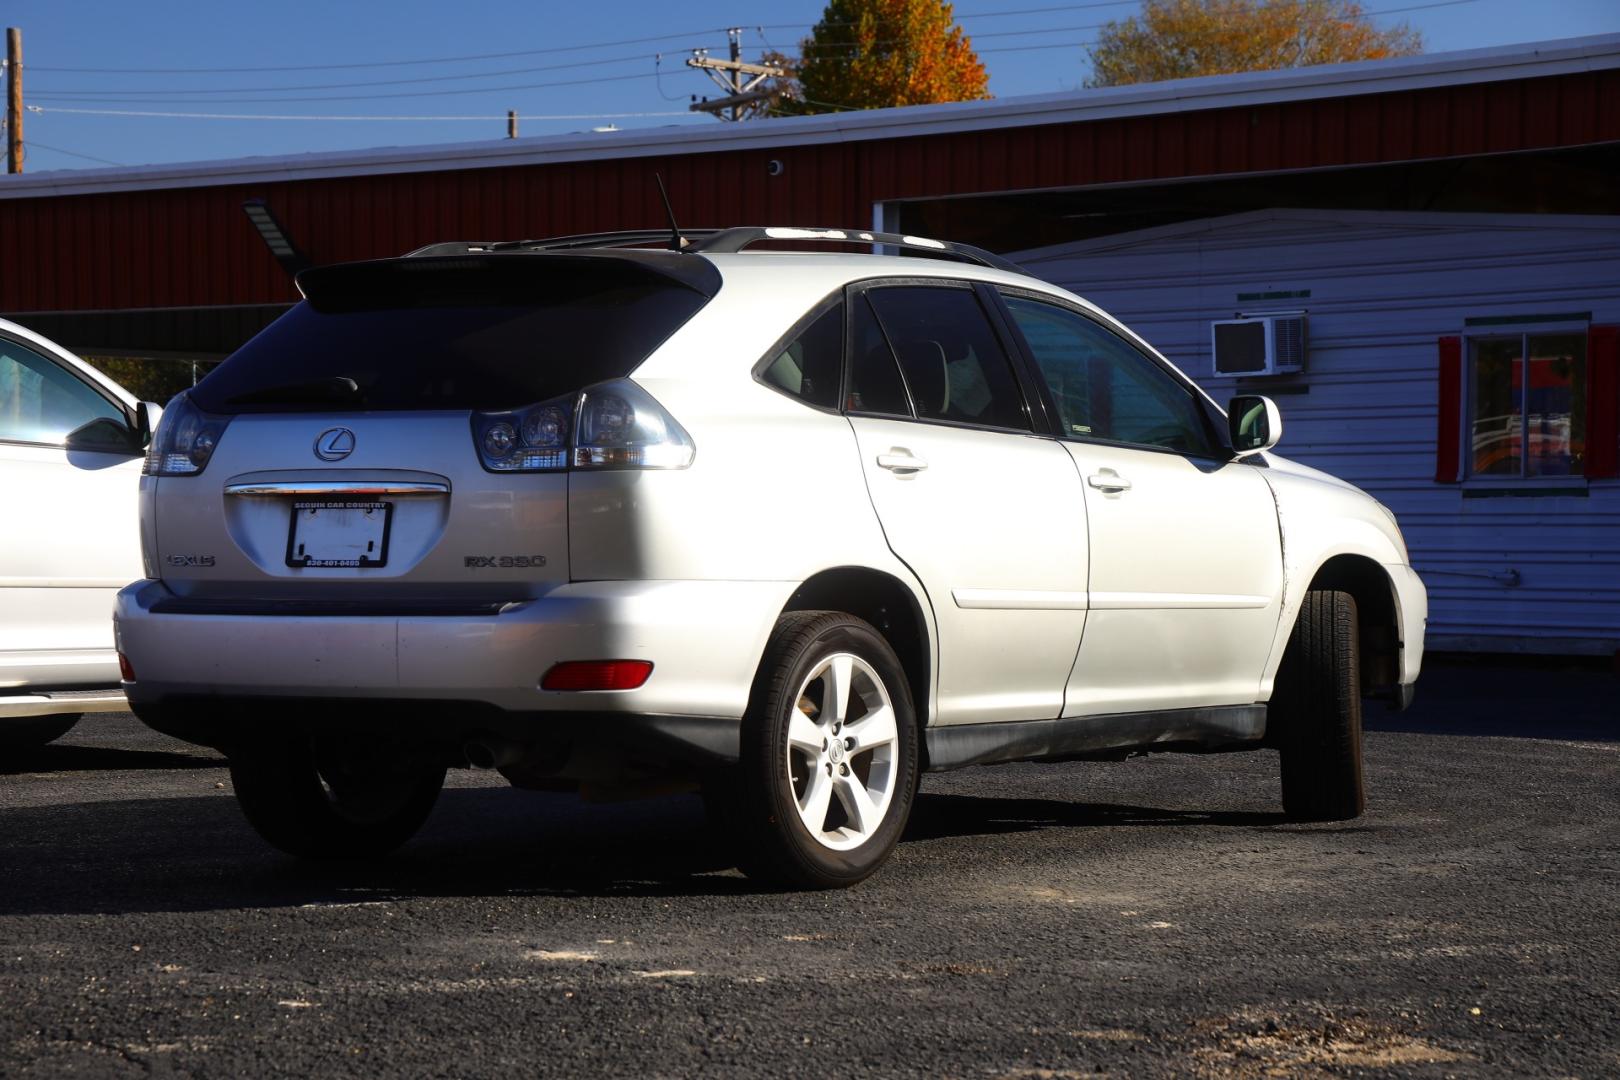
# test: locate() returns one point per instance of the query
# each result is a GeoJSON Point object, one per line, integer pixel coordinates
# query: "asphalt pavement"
{"type": "Point", "coordinates": [1156, 917]}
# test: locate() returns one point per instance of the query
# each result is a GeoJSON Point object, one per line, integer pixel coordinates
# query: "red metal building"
{"type": "Point", "coordinates": [162, 259]}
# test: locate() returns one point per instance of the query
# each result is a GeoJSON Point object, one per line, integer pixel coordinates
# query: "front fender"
{"type": "Point", "coordinates": [1321, 519]}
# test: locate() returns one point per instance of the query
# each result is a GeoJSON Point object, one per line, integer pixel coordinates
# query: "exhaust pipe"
{"type": "Point", "coordinates": [490, 752]}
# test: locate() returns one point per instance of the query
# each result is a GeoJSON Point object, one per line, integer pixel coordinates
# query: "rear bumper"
{"type": "Point", "coordinates": [704, 640]}
{"type": "Point", "coordinates": [601, 746]}
{"type": "Point", "coordinates": [61, 703]}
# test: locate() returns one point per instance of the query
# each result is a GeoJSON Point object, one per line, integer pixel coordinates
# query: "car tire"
{"type": "Point", "coordinates": [35, 731]}
{"type": "Point", "coordinates": [1316, 712]}
{"type": "Point", "coordinates": [335, 800]}
{"type": "Point", "coordinates": [821, 796]}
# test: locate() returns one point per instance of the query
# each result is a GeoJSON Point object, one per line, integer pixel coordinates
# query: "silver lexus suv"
{"type": "Point", "coordinates": [786, 527]}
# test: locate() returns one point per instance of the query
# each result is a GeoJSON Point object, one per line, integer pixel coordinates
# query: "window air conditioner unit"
{"type": "Point", "coordinates": [1259, 344]}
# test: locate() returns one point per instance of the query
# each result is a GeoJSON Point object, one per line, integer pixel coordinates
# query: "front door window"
{"type": "Point", "coordinates": [40, 402]}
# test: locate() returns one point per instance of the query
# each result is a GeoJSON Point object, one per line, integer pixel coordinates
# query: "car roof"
{"type": "Point", "coordinates": [821, 272]}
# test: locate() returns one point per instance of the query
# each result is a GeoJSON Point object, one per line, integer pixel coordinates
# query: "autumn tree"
{"type": "Point", "coordinates": [872, 54]}
{"type": "Point", "coordinates": [1179, 39]}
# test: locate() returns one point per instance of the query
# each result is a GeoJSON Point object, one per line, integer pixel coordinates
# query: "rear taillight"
{"type": "Point", "coordinates": [535, 439]}
{"type": "Point", "coordinates": [185, 439]}
{"type": "Point", "coordinates": [614, 425]}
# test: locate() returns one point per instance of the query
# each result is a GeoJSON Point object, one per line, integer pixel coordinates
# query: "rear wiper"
{"type": "Point", "coordinates": [336, 389]}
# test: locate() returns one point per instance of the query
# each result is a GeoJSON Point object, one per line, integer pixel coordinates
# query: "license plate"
{"type": "Point", "coordinates": [339, 534]}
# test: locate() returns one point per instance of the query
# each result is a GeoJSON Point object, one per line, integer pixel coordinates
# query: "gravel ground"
{"type": "Point", "coordinates": [1156, 917]}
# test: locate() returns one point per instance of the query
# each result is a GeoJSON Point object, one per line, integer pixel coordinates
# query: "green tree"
{"type": "Point", "coordinates": [873, 54]}
{"type": "Point", "coordinates": [1179, 39]}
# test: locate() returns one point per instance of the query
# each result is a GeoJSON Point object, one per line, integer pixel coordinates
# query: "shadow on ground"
{"type": "Point", "coordinates": [59, 758]}
{"type": "Point", "coordinates": [197, 853]}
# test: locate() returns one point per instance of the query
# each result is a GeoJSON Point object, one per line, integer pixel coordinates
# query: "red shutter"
{"type": "Point", "coordinates": [1447, 468]}
{"type": "Point", "coordinates": [1602, 402]}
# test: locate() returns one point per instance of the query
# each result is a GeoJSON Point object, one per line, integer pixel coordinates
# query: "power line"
{"type": "Point", "coordinates": [35, 144]}
{"type": "Point", "coordinates": [56, 94]}
{"type": "Point", "coordinates": [53, 92]}
{"type": "Point", "coordinates": [974, 14]}
{"type": "Point", "coordinates": [365, 97]}
{"type": "Point", "coordinates": [261, 116]}
{"type": "Point", "coordinates": [523, 52]}
{"type": "Point", "coordinates": [688, 35]}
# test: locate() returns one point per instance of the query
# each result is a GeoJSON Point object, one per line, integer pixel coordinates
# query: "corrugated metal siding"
{"type": "Point", "coordinates": [1383, 289]}
{"type": "Point", "coordinates": [193, 246]}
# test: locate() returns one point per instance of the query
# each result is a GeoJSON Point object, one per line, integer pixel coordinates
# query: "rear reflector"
{"type": "Point", "coordinates": [126, 670]}
{"type": "Point", "coordinates": [597, 675]}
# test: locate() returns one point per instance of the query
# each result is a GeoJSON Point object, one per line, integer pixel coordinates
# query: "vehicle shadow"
{"type": "Point", "coordinates": [59, 757]}
{"type": "Point", "coordinates": [937, 816]}
{"type": "Point", "coordinates": [196, 853]}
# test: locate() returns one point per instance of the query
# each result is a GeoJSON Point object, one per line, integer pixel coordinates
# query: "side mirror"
{"type": "Point", "coordinates": [104, 435]}
{"type": "Point", "coordinates": [1254, 424]}
{"type": "Point", "coordinates": [147, 416]}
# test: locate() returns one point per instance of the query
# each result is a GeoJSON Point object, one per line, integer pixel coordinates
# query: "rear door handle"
{"type": "Point", "coordinates": [901, 462]}
{"type": "Point", "coordinates": [1108, 480]}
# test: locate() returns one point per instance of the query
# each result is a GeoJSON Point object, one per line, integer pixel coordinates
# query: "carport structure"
{"type": "Point", "coordinates": [163, 261]}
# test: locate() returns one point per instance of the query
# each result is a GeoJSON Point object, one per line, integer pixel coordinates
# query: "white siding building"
{"type": "Point", "coordinates": [1413, 387]}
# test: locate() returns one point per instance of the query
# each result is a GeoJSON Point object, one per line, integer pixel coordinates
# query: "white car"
{"type": "Point", "coordinates": [789, 526]}
{"type": "Point", "coordinates": [71, 446]}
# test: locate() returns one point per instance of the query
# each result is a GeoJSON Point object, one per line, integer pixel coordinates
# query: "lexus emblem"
{"type": "Point", "coordinates": [334, 444]}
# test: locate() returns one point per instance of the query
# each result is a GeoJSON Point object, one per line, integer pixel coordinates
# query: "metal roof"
{"type": "Point", "coordinates": [1474, 66]}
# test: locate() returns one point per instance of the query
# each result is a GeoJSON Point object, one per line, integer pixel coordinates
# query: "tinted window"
{"type": "Point", "coordinates": [1104, 387]}
{"type": "Point", "coordinates": [459, 333]}
{"type": "Point", "coordinates": [808, 366]}
{"type": "Point", "coordinates": [954, 367]}
{"type": "Point", "coordinates": [41, 401]}
{"type": "Point", "coordinates": [874, 380]}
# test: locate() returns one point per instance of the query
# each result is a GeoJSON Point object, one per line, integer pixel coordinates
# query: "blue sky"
{"type": "Point", "coordinates": [268, 56]}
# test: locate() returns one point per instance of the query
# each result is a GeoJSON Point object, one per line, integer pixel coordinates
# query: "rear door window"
{"type": "Point", "coordinates": [954, 366]}
{"type": "Point", "coordinates": [875, 385]}
{"type": "Point", "coordinates": [480, 332]}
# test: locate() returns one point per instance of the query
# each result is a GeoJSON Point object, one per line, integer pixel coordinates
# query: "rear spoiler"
{"type": "Point", "coordinates": [495, 278]}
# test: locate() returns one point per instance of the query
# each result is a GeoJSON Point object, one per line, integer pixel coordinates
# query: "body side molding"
{"type": "Point", "coordinates": [1214, 727]}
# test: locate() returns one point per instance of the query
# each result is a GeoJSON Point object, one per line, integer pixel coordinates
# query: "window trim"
{"type": "Point", "coordinates": [1220, 450]}
{"type": "Point", "coordinates": [101, 391]}
{"type": "Point", "coordinates": [816, 311]}
{"type": "Point", "coordinates": [1470, 480]}
{"type": "Point", "coordinates": [993, 317]}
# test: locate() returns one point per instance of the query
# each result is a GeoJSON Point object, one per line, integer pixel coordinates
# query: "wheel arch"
{"type": "Point", "coordinates": [892, 607]}
{"type": "Point", "coordinates": [1377, 616]}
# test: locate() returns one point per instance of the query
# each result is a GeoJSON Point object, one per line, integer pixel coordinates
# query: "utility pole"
{"type": "Point", "coordinates": [511, 123]}
{"type": "Point", "coordinates": [728, 75]}
{"type": "Point", "coordinates": [14, 104]}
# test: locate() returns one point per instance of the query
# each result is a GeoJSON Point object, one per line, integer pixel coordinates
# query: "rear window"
{"type": "Point", "coordinates": [477, 332]}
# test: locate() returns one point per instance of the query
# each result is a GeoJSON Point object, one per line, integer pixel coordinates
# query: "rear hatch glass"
{"type": "Point", "coordinates": [461, 332]}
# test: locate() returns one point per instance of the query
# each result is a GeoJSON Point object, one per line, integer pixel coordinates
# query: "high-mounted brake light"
{"type": "Point", "coordinates": [597, 675]}
{"type": "Point", "coordinates": [185, 439]}
{"type": "Point", "coordinates": [613, 425]}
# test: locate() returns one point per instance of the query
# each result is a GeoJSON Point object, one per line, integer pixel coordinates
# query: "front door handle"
{"type": "Point", "coordinates": [1108, 481]}
{"type": "Point", "coordinates": [902, 462]}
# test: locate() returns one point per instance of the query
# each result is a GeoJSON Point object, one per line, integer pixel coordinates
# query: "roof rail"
{"type": "Point", "coordinates": [621, 238]}
{"type": "Point", "coordinates": [726, 241]}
